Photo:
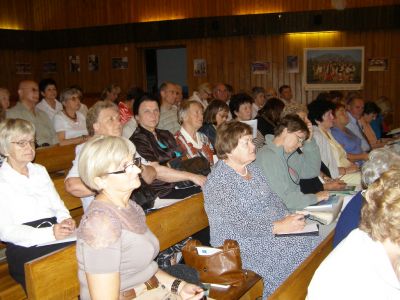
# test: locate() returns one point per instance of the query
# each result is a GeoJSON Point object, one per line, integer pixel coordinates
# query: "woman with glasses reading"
{"type": "Point", "coordinates": [289, 156]}
{"type": "Point", "coordinates": [115, 248]}
{"type": "Point", "coordinates": [31, 211]}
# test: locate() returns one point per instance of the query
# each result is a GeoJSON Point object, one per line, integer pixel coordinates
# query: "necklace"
{"type": "Point", "coordinates": [245, 172]}
{"type": "Point", "coordinates": [72, 118]}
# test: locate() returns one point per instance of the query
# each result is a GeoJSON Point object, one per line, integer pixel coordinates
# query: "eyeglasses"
{"type": "Point", "coordinates": [136, 162]}
{"type": "Point", "coordinates": [24, 143]}
{"type": "Point", "coordinates": [300, 140]}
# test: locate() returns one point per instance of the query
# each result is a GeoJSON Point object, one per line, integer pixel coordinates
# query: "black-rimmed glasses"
{"type": "Point", "coordinates": [136, 162]}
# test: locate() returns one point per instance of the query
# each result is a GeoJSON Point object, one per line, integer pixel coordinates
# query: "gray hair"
{"type": "Point", "coordinates": [183, 110]}
{"type": "Point", "coordinates": [257, 90]}
{"type": "Point", "coordinates": [94, 112]}
{"type": "Point", "coordinates": [380, 161]}
{"type": "Point", "coordinates": [67, 94]}
{"type": "Point", "coordinates": [102, 154]}
{"type": "Point", "coordinates": [12, 128]}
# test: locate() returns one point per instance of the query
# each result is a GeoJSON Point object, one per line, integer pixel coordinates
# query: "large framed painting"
{"type": "Point", "coordinates": [333, 68]}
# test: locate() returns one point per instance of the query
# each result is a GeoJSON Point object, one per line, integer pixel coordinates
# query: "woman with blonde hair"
{"type": "Point", "coordinates": [115, 248]}
{"type": "Point", "coordinates": [366, 265]}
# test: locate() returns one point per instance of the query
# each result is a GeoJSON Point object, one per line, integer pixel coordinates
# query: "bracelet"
{"type": "Point", "coordinates": [175, 286]}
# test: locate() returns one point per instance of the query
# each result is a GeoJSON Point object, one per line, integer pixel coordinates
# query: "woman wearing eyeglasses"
{"type": "Point", "coordinates": [31, 211]}
{"type": "Point", "coordinates": [289, 156]}
{"type": "Point", "coordinates": [115, 248]}
{"type": "Point", "coordinates": [242, 206]}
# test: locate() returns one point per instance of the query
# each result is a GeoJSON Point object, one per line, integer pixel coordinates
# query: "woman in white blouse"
{"type": "Point", "coordinates": [31, 211]}
{"type": "Point", "coordinates": [192, 142]}
{"type": "Point", "coordinates": [70, 124]}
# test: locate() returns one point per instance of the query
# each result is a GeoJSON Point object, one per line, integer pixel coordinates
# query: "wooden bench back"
{"type": "Point", "coordinates": [56, 158]}
{"type": "Point", "coordinates": [55, 276]}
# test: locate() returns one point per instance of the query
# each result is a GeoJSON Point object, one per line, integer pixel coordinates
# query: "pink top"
{"type": "Point", "coordinates": [124, 112]}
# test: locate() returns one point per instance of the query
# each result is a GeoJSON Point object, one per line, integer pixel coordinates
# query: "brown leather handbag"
{"type": "Point", "coordinates": [224, 267]}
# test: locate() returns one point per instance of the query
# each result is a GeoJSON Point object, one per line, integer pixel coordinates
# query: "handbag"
{"type": "Point", "coordinates": [144, 196]}
{"type": "Point", "coordinates": [224, 267]}
{"type": "Point", "coordinates": [197, 165]}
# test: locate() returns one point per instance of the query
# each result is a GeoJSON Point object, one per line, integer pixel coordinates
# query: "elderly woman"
{"type": "Point", "coordinates": [31, 212]}
{"type": "Point", "coordinates": [4, 99]}
{"type": "Point", "coordinates": [157, 145]}
{"type": "Point", "coordinates": [258, 94]}
{"type": "Point", "coordinates": [192, 142]}
{"type": "Point", "coordinates": [49, 103]}
{"type": "Point", "coordinates": [115, 248]}
{"type": "Point", "coordinates": [332, 153]}
{"type": "Point", "coordinates": [284, 164]}
{"type": "Point", "coordinates": [240, 107]}
{"type": "Point", "coordinates": [269, 116]}
{"type": "Point", "coordinates": [366, 264]}
{"type": "Point", "coordinates": [217, 112]}
{"type": "Point", "coordinates": [70, 124]}
{"type": "Point", "coordinates": [241, 205]}
{"type": "Point", "coordinates": [380, 160]}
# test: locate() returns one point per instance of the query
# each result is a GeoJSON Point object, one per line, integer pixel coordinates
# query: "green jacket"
{"type": "Point", "coordinates": [273, 161]}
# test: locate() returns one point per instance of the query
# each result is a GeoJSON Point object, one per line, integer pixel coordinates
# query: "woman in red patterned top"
{"type": "Point", "coordinates": [192, 142]}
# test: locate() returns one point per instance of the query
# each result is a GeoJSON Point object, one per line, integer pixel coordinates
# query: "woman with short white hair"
{"type": "Point", "coordinates": [115, 248]}
{"type": "Point", "coordinates": [70, 124]}
{"type": "Point", "coordinates": [192, 142]}
{"type": "Point", "coordinates": [31, 211]}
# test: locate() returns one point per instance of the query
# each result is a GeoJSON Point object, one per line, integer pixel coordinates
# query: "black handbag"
{"type": "Point", "coordinates": [197, 165]}
{"type": "Point", "coordinates": [144, 195]}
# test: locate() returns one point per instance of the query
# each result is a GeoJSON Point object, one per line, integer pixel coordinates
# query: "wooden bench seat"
{"type": "Point", "coordinates": [9, 289]}
{"type": "Point", "coordinates": [170, 225]}
{"type": "Point", "coordinates": [56, 159]}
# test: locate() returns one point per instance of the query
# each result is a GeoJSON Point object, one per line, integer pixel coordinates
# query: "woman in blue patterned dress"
{"type": "Point", "coordinates": [241, 206]}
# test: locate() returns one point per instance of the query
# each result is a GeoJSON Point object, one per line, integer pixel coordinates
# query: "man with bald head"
{"type": "Point", "coordinates": [28, 93]}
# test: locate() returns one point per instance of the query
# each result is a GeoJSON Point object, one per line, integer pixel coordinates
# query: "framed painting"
{"type": "Point", "coordinates": [333, 68]}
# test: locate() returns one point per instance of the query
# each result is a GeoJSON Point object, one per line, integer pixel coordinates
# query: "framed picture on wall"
{"type": "Point", "coordinates": [292, 64]}
{"type": "Point", "coordinates": [23, 68]}
{"type": "Point", "coordinates": [74, 62]}
{"type": "Point", "coordinates": [119, 63]}
{"type": "Point", "coordinates": [93, 63]}
{"type": "Point", "coordinates": [199, 67]}
{"type": "Point", "coordinates": [260, 67]}
{"type": "Point", "coordinates": [49, 67]}
{"type": "Point", "coordinates": [333, 68]}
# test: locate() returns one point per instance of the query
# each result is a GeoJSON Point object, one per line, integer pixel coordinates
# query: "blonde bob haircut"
{"type": "Point", "coordinates": [228, 135]}
{"type": "Point", "coordinates": [11, 129]}
{"type": "Point", "coordinates": [103, 154]}
{"type": "Point", "coordinates": [380, 215]}
{"type": "Point", "coordinates": [185, 106]}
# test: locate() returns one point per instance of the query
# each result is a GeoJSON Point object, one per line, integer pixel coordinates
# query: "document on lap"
{"type": "Point", "coordinates": [70, 238]}
{"type": "Point", "coordinates": [309, 229]}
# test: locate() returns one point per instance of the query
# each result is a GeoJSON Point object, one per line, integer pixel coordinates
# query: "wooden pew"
{"type": "Point", "coordinates": [295, 286]}
{"type": "Point", "coordinates": [170, 225]}
{"type": "Point", "coordinates": [56, 159]}
{"type": "Point", "coordinates": [73, 204]}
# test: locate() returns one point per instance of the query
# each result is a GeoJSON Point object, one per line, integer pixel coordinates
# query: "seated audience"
{"type": "Point", "coordinates": [110, 93]}
{"type": "Point", "coordinates": [285, 94]}
{"type": "Point", "coordinates": [241, 206]}
{"type": "Point", "coordinates": [240, 107]}
{"type": "Point", "coordinates": [129, 126]}
{"type": "Point", "coordinates": [220, 92]}
{"type": "Point", "coordinates": [4, 98]}
{"type": "Point", "coordinates": [203, 94]}
{"type": "Point", "coordinates": [349, 141]}
{"type": "Point", "coordinates": [365, 265]}
{"type": "Point", "coordinates": [49, 103]}
{"type": "Point", "coordinates": [115, 248]}
{"type": "Point", "coordinates": [102, 119]}
{"type": "Point", "coordinates": [371, 112]}
{"type": "Point", "coordinates": [179, 95]}
{"type": "Point", "coordinates": [217, 112]}
{"type": "Point", "coordinates": [69, 123]}
{"type": "Point", "coordinates": [332, 153]}
{"type": "Point", "coordinates": [168, 111]}
{"type": "Point", "coordinates": [26, 109]}
{"type": "Point", "coordinates": [270, 93]}
{"type": "Point", "coordinates": [192, 142]}
{"type": "Point", "coordinates": [284, 164]}
{"type": "Point", "coordinates": [2, 118]}
{"type": "Point", "coordinates": [159, 146]}
{"type": "Point", "coordinates": [380, 160]}
{"type": "Point", "coordinates": [31, 211]}
{"type": "Point", "coordinates": [269, 116]}
{"type": "Point", "coordinates": [259, 100]}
